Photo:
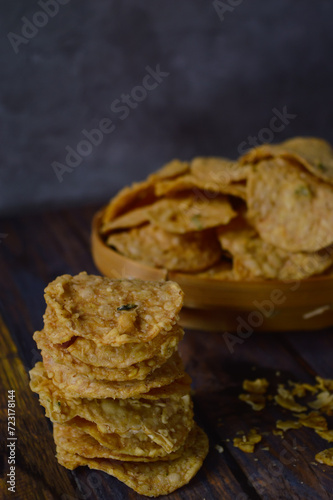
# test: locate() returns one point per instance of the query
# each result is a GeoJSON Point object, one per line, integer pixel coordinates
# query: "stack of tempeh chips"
{"type": "Point", "coordinates": [113, 384]}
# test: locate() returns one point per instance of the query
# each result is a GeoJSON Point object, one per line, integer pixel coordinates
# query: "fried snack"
{"type": "Point", "coordinates": [125, 406]}
{"type": "Point", "coordinates": [134, 218]}
{"type": "Point", "coordinates": [257, 386]}
{"type": "Point", "coordinates": [77, 385]}
{"type": "Point", "coordinates": [82, 437]}
{"type": "Point", "coordinates": [140, 194]}
{"type": "Point", "coordinates": [316, 155]}
{"type": "Point", "coordinates": [328, 435]}
{"type": "Point", "coordinates": [134, 196]}
{"type": "Point", "coordinates": [325, 457]}
{"type": "Point", "coordinates": [139, 446]}
{"type": "Point", "coordinates": [164, 420]}
{"type": "Point", "coordinates": [109, 311]}
{"type": "Point", "coordinates": [285, 399]}
{"type": "Point", "coordinates": [173, 169]}
{"type": "Point", "coordinates": [152, 245]}
{"type": "Point", "coordinates": [255, 258]}
{"type": "Point", "coordinates": [219, 170]}
{"type": "Point", "coordinates": [163, 345]}
{"type": "Point", "coordinates": [184, 214]}
{"type": "Point", "coordinates": [60, 409]}
{"type": "Point", "coordinates": [313, 420]}
{"type": "Point", "coordinates": [223, 270]}
{"type": "Point", "coordinates": [59, 354]}
{"type": "Point", "coordinates": [150, 479]}
{"type": "Point", "coordinates": [202, 188]}
{"type": "Point", "coordinates": [289, 207]}
{"type": "Point", "coordinates": [255, 400]}
{"type": "Point", "coordinates": [247, 442]}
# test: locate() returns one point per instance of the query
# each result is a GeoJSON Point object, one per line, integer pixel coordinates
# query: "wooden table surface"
{"type": "Point", "coordinates": [34, 249]}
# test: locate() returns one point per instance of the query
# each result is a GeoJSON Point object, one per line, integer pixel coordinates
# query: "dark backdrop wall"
{"type": "Point", "coordinates": [157, 79]}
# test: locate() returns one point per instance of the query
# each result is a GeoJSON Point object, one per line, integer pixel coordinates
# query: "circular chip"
{"type": "Point", "coordinates": [316, 155]}
{"type": "Point", "coordinates": [184, 214]}
{"type": "Point", "coordinates": [289, 207]}
{"type": "Point", "coordinates": [152, 245]}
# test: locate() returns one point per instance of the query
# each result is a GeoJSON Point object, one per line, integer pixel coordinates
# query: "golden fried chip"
{"type": "Point", "coordinates": [59, 354]}
{"type": "Point", "coordinates": [164, 418]}
{"type": "Point", "coordinates": [221, 271]}
{"type": "Point", "coordinates": [300, 390]}
{"type": "Point", "coordinates": [77, 385]}
{"type": "Point", "coordinates": [323, 402]}
{"type": "Point", "coordinates": [110, 311]}
{"type": "Point", "coordinates": [256, 400]}
{"type": "Point", "coordinates": [255, 258]}
{"type": "Point", "coordinates": [325, 457]}
{"type": "Point", "coordinates": [174, 168]}
{"type": "Point", "coordinates": [137, 195]}
{"type": "Point", "coordinates": [180, 387]}
{"type": "Point", "coordinates": [285, 399]}
{"type": "Point", "coordinates": [328, 435]}
{"type": "Point", "coordinates": [60, 409]}
{"type": "Point", "coordinates": [289, 207]}
{"type": "Point", "coordinates": [150, 479]}
{"type": "Point", "coordinates": [324, 383]}
{"type": "Point", "coordinates": [138, 371]}
{"type": "Point", "coordinates": [285, 425]}
{"type": "Point", "coordinates": [247, 442]}
{"type": "Point", "coordinates": [313, 420]}
{"type": "Point", "coordinates": [257, 386]}
{"type": "Point", "coordinates": [219, 170]}
{"type": "Point", "coordinates": [134, 218]}
{"type": "Point", "coordinates": [82, 437]}
{"type": "Point", "coordinates": [176, 252]}
{"type": "Point", "coordinates": [184, 214]}
{"type": "Point", "coordinates": [202, 188]}
{"type": "Point", "coordinates": [122, 356]}
{"type": "Point", "coordinates": [316, 155]}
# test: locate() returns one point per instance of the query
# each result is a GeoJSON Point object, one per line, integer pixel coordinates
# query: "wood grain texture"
{"type": "Point", "coordinates": [39, 248]}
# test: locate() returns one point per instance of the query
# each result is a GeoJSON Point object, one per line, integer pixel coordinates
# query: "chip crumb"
{"type": "Point", "coordinates": [323, 402]}
{"type": "Point", "coordinates": [219, 448]}
{"type": "Point", "coordinates": [285, 399]}
{"type": "Point", "coordinates": [285, 425]}
{"type": "Point", "coordinates": [325, 434]}
{"type": "Point", "coordinates": [257, 386]}
{"type": "Point", "coordinates": [300, 390]}
{"type": "Point", "coordinates": [313, 420]}
{"type": "Point", "coordinates": [265, 448]}
{"type": "Point", "coordinates": [324, 384]}
{"type": "Point", "coordinates": [277, 373]}
{"type": "Point", "coordinates": [325, 457]}
{"type": "Point", "coordinates": [256, 401]}
{"type": "Point", "coordinates": [247, 442]}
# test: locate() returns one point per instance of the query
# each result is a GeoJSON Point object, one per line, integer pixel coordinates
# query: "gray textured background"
{"type": "Point", "coordinates": [225, 78]}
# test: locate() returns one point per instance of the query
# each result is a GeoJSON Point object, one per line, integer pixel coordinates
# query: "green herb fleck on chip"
{"type": "Point", "coordinates": [303, 191]}
{"type": "Point", "coordinates": [196, 221]}
{"type": "Point", "coordinates": [127, 307]}
{"type": "Point", "coordinates": [322, 167]}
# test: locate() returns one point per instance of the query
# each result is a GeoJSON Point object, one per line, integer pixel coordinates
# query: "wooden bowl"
{"type": "Point", "coordinates": [231, 306]}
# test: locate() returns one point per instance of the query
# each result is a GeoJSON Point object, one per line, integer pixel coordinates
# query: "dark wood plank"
{"type": "Point", "coordinates": [287, 469]}
{"type": "Point", "coordinates": [34, 447]}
